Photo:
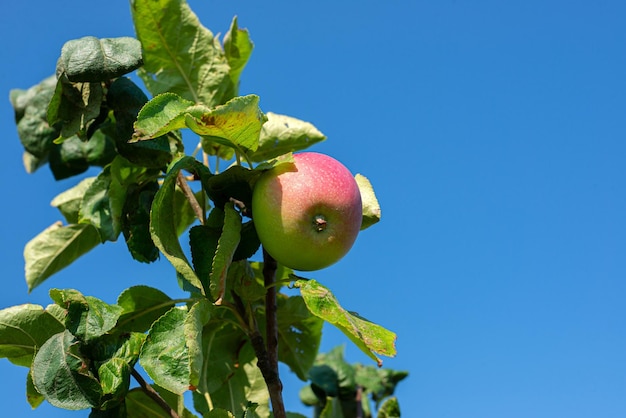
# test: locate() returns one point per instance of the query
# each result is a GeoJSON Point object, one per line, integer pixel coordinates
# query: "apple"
{"type": "Point", "coordinates": [307, 214]}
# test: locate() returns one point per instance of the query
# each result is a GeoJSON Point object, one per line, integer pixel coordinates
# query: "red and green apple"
{"type": "Point", "coordinates": [307, 214]}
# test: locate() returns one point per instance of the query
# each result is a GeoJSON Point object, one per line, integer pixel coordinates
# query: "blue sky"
{"type": "Point", "coordinates": [494, 135]}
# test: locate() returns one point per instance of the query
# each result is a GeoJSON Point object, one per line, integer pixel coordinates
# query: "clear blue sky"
{"type": "Point", "coordinates": [494, 134]}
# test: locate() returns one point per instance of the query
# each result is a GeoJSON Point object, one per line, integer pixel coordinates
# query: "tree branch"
{"type": "Point", "coordinates": [153, 394]}
{"type": "Point", "coordinates": [182, 183]}
{"type": "Point", "coordinates": [267, 352]}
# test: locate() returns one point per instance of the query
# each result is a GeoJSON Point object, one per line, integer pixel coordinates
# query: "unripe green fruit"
{"type": "Point", "coordinates": [307, 214]}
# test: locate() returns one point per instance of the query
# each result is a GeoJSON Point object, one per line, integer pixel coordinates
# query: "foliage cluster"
{"type": "Point", "coordinates": [224, 341]}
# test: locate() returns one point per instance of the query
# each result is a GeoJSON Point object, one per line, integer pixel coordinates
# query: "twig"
{"type": "Point", "coordinates": [270, 374]}
{"type": "Point", "coordinates": [153, 394]}
{"type": "Point", "coordinates": [269, 276]}
{"type": "Point", "coordinates": [182, 183]}
{"type": "Point", "coordinates": [267, 353]}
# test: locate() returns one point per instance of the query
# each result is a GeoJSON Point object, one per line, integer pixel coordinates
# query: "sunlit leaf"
{"type": "Point", "coordinates": [371, 208]}
{"type": "Point", "coordinates": [389, 409]}
{"type": "Point", "coordinates": [68, 202]}
{"type": "Point", "coordinates": [87, 317]}
{"type": "Point", "coordinates": [283, 134]}
{"type": "Point", "coordinates": [369, 337]}
{"type": "Point", "coordinates": [23, 330]}
{"type": "Point", "coordinates": [142, 305]}
{"type": "Point", "coordinates": [56, 248]}
{"type": "Point", "coordinates": [165, 356]}
{"type": "Point", "coordinates": [101, 209]}
{"type": "Point", "coordinates": [114, 376]}
{"type": "Point", "coordinates": [226, 246]}
{"type": "Point", "coordinates": [33, 397]}
{"type": "Point", "coordinates": [238, 48]}
{"type": "Point", "coordinates": [198, 316]}
{"type": "Point", "coordinates": [172, 354]}
{"type": "Point", "coordinates": [180, 55]}
{"type": "Point", "coordinates": [236, 124]}
{"type": "Point", "coordinates": [163, 114]}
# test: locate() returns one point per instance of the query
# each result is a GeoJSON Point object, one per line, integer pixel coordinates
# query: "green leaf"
{"type": "Point", "coordinates": [377, 382]}
{"type": "Point", "coordinates": [75, 156]}
{"type": "Point", "coordinates": [244, 385]}
{"type": "Point", "coordinates": [218, 413]}
{"type": "Point", "coordinates": [299, 335]}
{"type": "Point", "coordinates": [163, 224]}
{"type": "Point", "coordinates": [33, 397]}
{"type": "Point", "coordinates": [91, 59]}
{"type": "Point", "coordinates": [32, 163]}
{"type": "Point", "coordinates": [75, 106]}
{"type": "Point", "coordinates": [163, 114]}
{"type": "Point", "coordinates": [180, 55]}
{"type": "Point", "coordinates": [142, 305]}
{"type": "Point", "coordinates": [332, 409]}
{"type": "Point", "coordinates": [136, 222]}
{"type": "Point", "coordinates": [172, 354]}
{"type": "Point", "coordinates": [235, 182]}
{"type": "Point", "coordinates": [236, 124]}
{"type": "Point", "coordinates": [100, 209]}
{"type": "Point", "coordinates": [124, 346]}
{"type": "Point", "coordinates": [222, 344]}
{"type": "Point", "coordinates": [126, 99]}
{"type": "Point", "coordinates": [245, 282]}
{"type": "Point", "coordinates": [68, 202]}
{"type": "Point", "coordinates": [203, 241]}
{"type": "Point", "coordinates": [62, 375]}
{"type": "Point", "coordinates": [249, 243]}
{"type": "Point", "coordinates": [226, 246]}
{"type": "Point", "coordinates": [114, 376]}
{"type": "Point", "coordinates": [130, 193]}
{"type": "Point", "coordinates": [333, 376]}
{"type": "Point", "coordinates": [389, 409]}
{"type": "Point", "coordinates": [371, 208]}
{"type": "Point", "coordinates": [165, 356]}
{"type": "Point", "coordinates": [140, 405]}
{"type": "Point", "coordinates": [238, 48]}
{"type": "Point", "coordinates": [117, 411]}
{"type": "Point", "coordinates": [283, 134]}
{"type": "Point", "coordinates": [87, 317]}
{"type": "Point", "coordinates": [198, 316]}
{"type": "Point", "coordinates": [31, 107]}
{"type": "Point", "coordinates": [308, 397]}
{"type": "Point", "coordinates": [369, 337]}
{"type": "Point", "coordinates": [23, 329]}
{"type": "Point", "coordinates": [56, 248]}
